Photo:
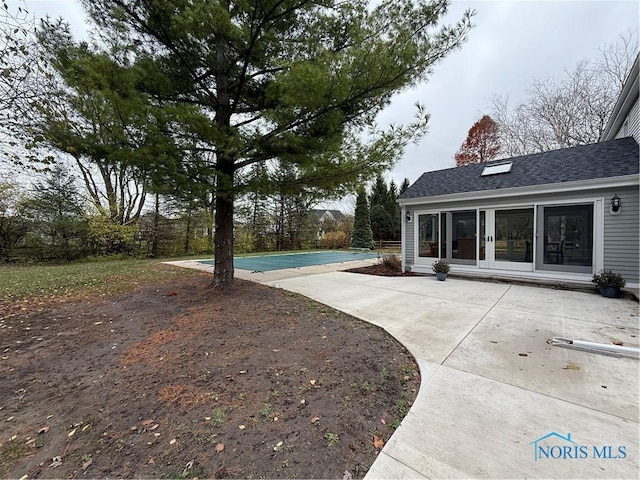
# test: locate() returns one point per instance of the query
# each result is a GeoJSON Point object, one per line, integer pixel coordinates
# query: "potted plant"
{"type": "Point", "coordinates": [609, 283]}
{"type": "Point", "coordinates": [441, 268]}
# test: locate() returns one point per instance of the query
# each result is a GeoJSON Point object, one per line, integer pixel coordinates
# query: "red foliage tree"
{"type": "Point", "coordinates": [482, 143]}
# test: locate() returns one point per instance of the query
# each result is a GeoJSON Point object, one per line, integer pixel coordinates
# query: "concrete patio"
{"type": "Point", "coordinates": [491, 385]}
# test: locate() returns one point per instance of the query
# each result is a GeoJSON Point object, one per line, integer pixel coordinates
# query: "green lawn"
{"type": "Point", "coordinates": [104, 277]}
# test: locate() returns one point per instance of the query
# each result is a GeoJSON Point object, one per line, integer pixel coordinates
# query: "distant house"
{"type": "Point", "coordinates": [325, 220]}
{"type": "Point", "coordinates": [560, 215]}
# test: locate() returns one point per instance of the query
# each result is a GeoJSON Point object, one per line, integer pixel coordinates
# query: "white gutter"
{"type": "Point", "coordinates": [565, 187]}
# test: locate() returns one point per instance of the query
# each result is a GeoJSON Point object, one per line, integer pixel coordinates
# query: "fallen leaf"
{"type": "Point", "coordinates": [315, 419]}
{"type": "Point", "coordinates": [312, 382]}
{"type": "Point", "coordinates": [151, 461]}
{"type": "Point", "coordinates": [146, 423]}
{"type": "Point", "coordinates": [571, 366]}
{"type": "Point", "coordinates": [278, 446]}
{"type": "Point", "coordinates": [220, 447]}
{"type": "Point", "coordinates": [347, 475]}
{"type": "Point", "coordinates": [242, 427]}
{"type": "Point", "coordinates": [618, 342]}
{"type": "Point", "coordinates": [87, 464]}
{"type": "Point", "coordinates": [173, 440]}
{"type": "Point", "coordinates": [86, 427]}
{"type": "Point", "coordinates": [383, 421]}
{"type": "Point", "coordinates": [153, 427]}
{"type": "Point", "coordinates": [71, 433]}
{"type": "Point", "coordinates": [406, 378]}
{"type": "Point", "coordinates": [56, 462]}
{"type": "Point", "coordinates": [44, 429]}
{"type": "Point", "coordinates": [188, 467]}
{"type": "Point", "coordinates": [378, 442]}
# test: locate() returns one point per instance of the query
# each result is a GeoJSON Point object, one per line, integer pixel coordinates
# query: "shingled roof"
{"type": "Point", "coordinates": [612, 158]}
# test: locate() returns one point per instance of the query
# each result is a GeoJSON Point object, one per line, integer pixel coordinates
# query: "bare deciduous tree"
{"type": "Point", "coordinates": [573, 110]}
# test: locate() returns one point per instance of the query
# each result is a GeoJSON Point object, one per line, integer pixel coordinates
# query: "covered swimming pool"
{"type": "Point", "coordinates": [266, 263]}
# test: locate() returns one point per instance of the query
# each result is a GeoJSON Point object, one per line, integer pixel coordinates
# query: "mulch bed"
{"type": "Point", "coordinates": [382, 270]}
{"type": "Point", "coordinates": [180, 381]}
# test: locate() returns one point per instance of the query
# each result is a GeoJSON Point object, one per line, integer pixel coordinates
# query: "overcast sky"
{"type": "Point", "coordinates": [512, 43]}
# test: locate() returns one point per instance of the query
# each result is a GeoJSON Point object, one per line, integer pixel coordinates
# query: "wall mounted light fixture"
{"type": "Point", "coordinates": [616, 204]}
{"type": "Point", "coordinates": [409, 217]}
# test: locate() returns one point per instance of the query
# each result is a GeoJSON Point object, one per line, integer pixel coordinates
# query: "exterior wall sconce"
{"type": "Point", "coordinates": [409, 217]}
{"type": "Point", "coordinates": [616, 205]}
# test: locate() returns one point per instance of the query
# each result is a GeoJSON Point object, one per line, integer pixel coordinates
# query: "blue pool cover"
{"type": "Point", "coordinates": [265, 263]}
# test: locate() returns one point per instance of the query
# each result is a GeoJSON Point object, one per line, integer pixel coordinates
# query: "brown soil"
{"type": "Point", "coordinates": [382, 270]}
{"type": "Point", "coordinates": [178, 381]}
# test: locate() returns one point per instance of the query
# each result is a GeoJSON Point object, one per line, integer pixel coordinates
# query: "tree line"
{"type": "Point", "coordinates": [206, 103]}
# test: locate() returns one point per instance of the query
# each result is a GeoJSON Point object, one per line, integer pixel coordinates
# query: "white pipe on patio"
{"type": "Point", "coordinates": [602, 348]}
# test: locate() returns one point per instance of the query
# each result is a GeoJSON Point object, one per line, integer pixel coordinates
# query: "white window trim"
{"type": "Point", "coordinates": [598, 228]}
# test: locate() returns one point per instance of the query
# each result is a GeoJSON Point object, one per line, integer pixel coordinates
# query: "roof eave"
{"type": "Point", "coordinates": [628, 95]}
{"type": "Point", "coordinates": [591, 184]}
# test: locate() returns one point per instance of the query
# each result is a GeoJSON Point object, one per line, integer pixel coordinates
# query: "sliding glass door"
{"type": "Point", "coordinates": [428, 235]}
{"type": "Point", "coordinates": [567, 238]}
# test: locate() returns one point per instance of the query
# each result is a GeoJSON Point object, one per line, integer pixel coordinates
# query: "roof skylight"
{"type": "Point", "coordinates": [496, 169]}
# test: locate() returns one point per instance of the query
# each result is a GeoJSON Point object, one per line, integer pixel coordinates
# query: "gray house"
{"type": "Point", "coordinates": [558, 216]}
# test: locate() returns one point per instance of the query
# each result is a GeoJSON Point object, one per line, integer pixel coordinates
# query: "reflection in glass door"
{"type": "Point", "coordinates": [568, 238]}
{"type": "Point", "coordinates": [428, 235]}
{"type": "Point", "coordinates": [506, 239]}
{"type": "Point", "coordinates": [463, 236]}
{"type": "Point", "coordinates": [514, 235]}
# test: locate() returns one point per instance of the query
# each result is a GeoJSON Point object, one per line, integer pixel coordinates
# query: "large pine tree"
{"type": "Point", "coordinates": [271, 80]}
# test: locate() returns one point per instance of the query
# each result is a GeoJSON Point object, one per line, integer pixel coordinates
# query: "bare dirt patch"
{"type": "Point", "coordinates": [175, 380]}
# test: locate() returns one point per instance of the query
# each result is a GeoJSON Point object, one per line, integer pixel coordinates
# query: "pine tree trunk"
{"type": "Point", "coordinates": [223, 229]}
{"type": "Point", "coordinates": [187, 237]}
{"type": "Point", "coordinates": [223, 234]}
{"type": "Point", "coordinates": [155, 233]}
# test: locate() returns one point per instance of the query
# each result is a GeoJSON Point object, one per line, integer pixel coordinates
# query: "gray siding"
{"type": "Point", "coordinates": [621, 236]}
{"type": "Point", "coordinates": [631, 126]}
{"type": "Point", "coordinates": [409, 247]}
{"type": "Point", "coordinates": [621, 232]}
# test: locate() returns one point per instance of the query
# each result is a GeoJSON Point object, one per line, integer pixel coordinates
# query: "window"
{"type": "Point", "coordinates": [496, 169]}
